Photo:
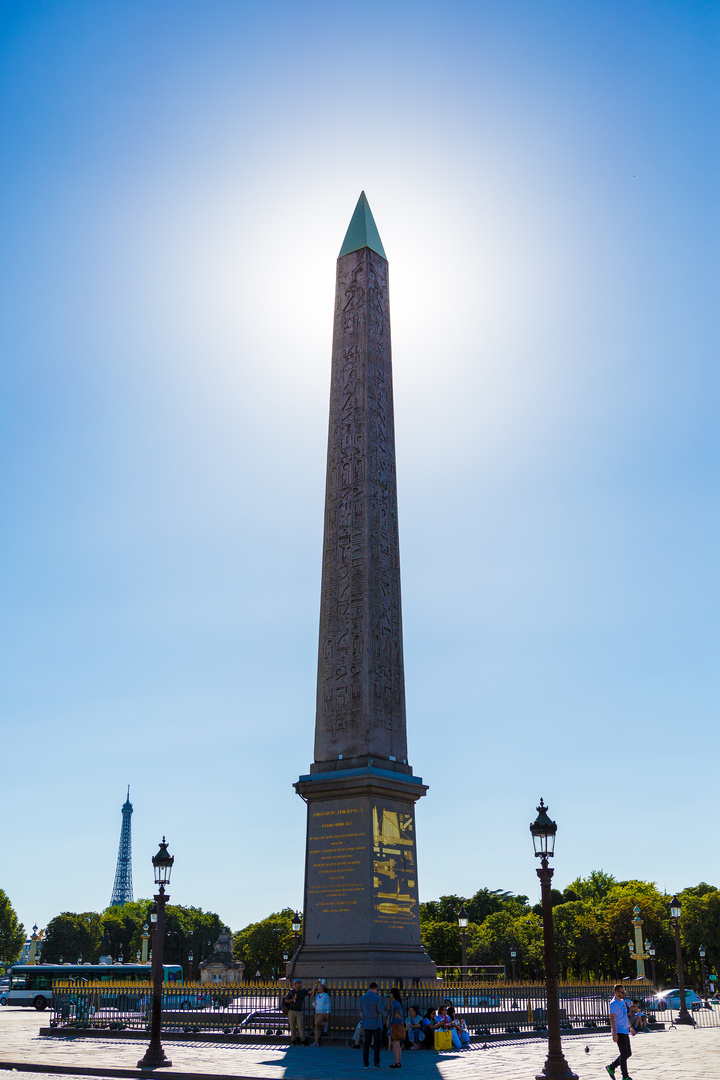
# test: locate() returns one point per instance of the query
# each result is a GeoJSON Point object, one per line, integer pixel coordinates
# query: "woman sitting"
{"type": "Point", "coordinates": [460, 1033]}
{"type": "Point", "coordinates": [414, 1025]}
{"type": "Point", "coordinates": [443, 1021]}
{"type": "Point", "coordinates": [428, 1029]}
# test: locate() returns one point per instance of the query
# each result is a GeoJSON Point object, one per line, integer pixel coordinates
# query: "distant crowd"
{"type": "Point", "coordinates": [380, 1021]}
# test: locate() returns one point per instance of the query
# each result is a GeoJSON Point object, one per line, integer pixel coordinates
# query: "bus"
{"type": "Point", "coordinates": [32, 984]}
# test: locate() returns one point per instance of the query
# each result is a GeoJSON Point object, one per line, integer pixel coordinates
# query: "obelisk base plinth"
{"type": "Point", "coordinates": [333, 964]}
{"type": "Point", "coordinates": [362, 914]}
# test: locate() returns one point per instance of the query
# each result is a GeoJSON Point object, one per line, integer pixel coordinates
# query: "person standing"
{"type": "Point", "coordinates": [321, 1001]}
{"type": "Point", "coordinates": [371, 1018]}
{"type": "Point", "coordinates": [620, 1028]}
{"type": "Point", "coordinates": [397, 1026]}
{"type": "Point", "coordinates": [293, 1002]}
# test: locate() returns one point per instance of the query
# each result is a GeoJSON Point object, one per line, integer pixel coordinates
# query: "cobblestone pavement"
{"type": "Point", "coordinates": [679, 1054]}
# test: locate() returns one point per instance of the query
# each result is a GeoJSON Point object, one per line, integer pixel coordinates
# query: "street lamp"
{"type": "Point", "coordinates": [463, 924]}
{"type": "Point", "coordinates": [675, 909]}
{"type": "Point", "coordinates": [34, 942]}
{"type": "Point", "coordinates": [296, 927]}
{"type": "Point", "coordinates": [155, 1055]}
{"type": "Point", "coordinates": [543, 833]}
{"type": "Point", "coordinates": [513, 955]}
{"type": "Point", "coordinates": [650, 950]}
{"type": "Point", "coordinates": [178, 941]}
{"type": "Point", "coordinates": [701, 950]}
{"type": "Point", "coordinates": [190, 964]}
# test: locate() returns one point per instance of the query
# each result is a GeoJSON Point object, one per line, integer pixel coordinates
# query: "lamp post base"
{"type": "Point", "coordinates": [556, 1068]}
{"type": "Point", "coordinates": [685, 1018]}
{"type": "Point", "coordinates": [154, 1058]}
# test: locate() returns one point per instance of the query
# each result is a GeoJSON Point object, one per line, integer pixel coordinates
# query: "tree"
{"type": "Point", "coordinates": [12, 931]}
{"type": "Point", "coordinates": [187, 929]}
{"type": "Point", "coordinates": [262, 945]}
{"type": "Point", "coordinates": [594, 887]}
{"type": "Point", "coordinates": [444, 910]}
{"type": "Point", "coordinates": [190, 929]}
{"type": "Point", "coordinates": [700, 925]}
{"type": "Point", "coordinates": [71, 935]}
{"type": "Point", "coordinates": [124, 926]}
{"type": "Point", "coordinates": [618, 915]}
{"type": "Point", "coordinates": [442, 941]}
{"type": "Point", "coordinates": [486, 902]}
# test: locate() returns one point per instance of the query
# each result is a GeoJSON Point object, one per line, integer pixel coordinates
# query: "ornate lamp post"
{"type": "Point", "coordinates": [675, 909]}
{"type": "Point", "coordinates": [701, 950]}
{"type": "Point", "coordinates": [650, 950]}
{"type": "Point", "coordinates": [463, 924]}
{"type": "Point", "coordinates": [513, 956]}
{"type": "Point", "coordinates": [543, 833]}
{"type": "Point", "coordinates": [155, 1055]}
{"type": "Point", "coordinates": [190, 964]}
{"type": "Point", "coordinates": [296, 927]}
{"type": "Point", "coordinates": [34, 942]}
{"type": "Point", "coordinates": [638, 954]}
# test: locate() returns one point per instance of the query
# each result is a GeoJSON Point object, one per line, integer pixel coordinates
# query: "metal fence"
{"type": "Point", "coordinates": [254, 1009]}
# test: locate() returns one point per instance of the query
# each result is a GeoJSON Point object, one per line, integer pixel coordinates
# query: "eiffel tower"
{"type": "Point", "coordinates": [122, 889]}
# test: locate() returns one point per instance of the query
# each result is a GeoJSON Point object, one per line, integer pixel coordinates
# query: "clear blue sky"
{"type": "Point", "coordinates": [176, 179]}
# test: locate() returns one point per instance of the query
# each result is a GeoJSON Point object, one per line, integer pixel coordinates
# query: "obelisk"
{"type": "Point", "coordinates": [361, 913]}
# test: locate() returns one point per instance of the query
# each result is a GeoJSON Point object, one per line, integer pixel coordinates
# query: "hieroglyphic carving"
{"type": "Point", "coordinates": [361, 690]}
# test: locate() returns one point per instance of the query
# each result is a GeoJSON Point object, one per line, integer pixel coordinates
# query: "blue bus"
{"type": "Point", "coordinates": [32, 984]}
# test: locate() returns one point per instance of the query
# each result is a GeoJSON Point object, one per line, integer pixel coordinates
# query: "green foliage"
{"type": "Point", "coordinates": [71, 935]}
{"type": "Point", "coordinates": [701, 926]}
{"type": "Point", "coordinates": [261, 945]}
{"type": "Point", "coordinates": [12, 931]}
{"type": "Point", "coordinates": [442, 940]}
{"type": "Point", "coordinates": [592, 923]}
{"type": "Point", "coordinates": [485, 902]}
{"type": "Point", "coordinates": [187, 929]}
{"type": "Point", "coordinates": [594, 887]}
{"type": "Point", "coordinates": [440, 933]}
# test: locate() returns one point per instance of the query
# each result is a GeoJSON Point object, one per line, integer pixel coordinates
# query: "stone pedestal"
{"type": "Point", "coordinates": [221, 968]}
{"type": "Point", "coordinates": [361, 895]}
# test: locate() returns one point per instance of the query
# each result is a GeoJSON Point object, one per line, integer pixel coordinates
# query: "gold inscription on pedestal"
{"type": "Point", "coordinates": [394, 873]}
{"type": "Point", "coordinates": [336, 853]}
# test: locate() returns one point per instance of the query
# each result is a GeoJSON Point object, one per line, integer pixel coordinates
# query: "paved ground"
{"type": "Point", "coordinates": [679, 1054]}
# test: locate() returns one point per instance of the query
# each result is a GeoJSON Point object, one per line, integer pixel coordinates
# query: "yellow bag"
{"type": "Point", "coordinates": [443, 1040]}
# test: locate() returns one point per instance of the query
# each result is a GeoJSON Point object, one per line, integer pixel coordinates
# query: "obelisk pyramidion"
{"type": "Point", "coordinates": [361, 913]}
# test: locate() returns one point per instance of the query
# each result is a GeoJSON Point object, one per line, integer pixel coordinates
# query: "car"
{"type": "Point", "coordinates": [178, 998]}
{"type": "Point", "coordinates": [670, 999]}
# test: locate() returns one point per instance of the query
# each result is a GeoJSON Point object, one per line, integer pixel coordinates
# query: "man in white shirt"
{"type": "Point", "coordinates": [621, 1031]}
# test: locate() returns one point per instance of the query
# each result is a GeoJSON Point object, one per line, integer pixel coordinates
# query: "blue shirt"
{"type": "Point", "coordinates": [618, 1009]}
{"type": "Point", "coordinates": [371, 1011]}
